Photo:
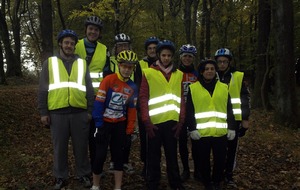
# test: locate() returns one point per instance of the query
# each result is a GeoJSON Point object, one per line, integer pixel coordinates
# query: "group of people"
{"type": "Point", "coordinates": [98, 100]}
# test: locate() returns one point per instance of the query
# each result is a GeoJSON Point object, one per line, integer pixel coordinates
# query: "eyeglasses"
{"type": "Point", "coordinates": [223, 61]}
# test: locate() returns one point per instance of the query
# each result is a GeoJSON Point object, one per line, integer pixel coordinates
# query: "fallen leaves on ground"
{"type": "Point", "coordinates": [268, 156]}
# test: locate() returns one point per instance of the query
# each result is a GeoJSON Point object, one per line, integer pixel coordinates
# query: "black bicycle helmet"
{"type": "Point", "coordinates": [122, 38]}
{"type": "Point", "coordinates": [94, 20]}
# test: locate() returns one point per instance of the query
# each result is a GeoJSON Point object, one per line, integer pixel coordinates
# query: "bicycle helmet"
{"type": "Point", "coordinates": [223, 52]}
{"type": "Point", "coordinates": [204, 62]}
{"type": "Point", "coordinates": [188, 49]}
{"type": "Point", "coordinates": [119, 38]}
{"type": "Point", "coordinates": [94, 20]}
{"type": "Point", "coordinates": [67, 33]}
{"type": "Point", "coordinates": [127, 56]}
{"type": "Point", "coordinates": [151, 40]}
{"type": "Point", "coordinates": [165, 44]}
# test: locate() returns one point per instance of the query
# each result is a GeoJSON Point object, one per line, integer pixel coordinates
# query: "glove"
{"type": "Point", "coordinates": [242, 131]}
{"type": "Point", "coordinates": [99, 135]}
{"type": "Point", "coordinates": [150, 129]}
{"type": "Point", "coordinates": [177, 130]}
{"type": "Point", "coordinates": [195, 135]}
{"type": "Point", "coordinates": [230, 134]}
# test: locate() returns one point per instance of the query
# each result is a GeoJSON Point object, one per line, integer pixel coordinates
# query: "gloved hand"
{"type": "Point", "coordinates": [150, 129]}
{"type": "Point", "coordinates": [99, 135]}
{"type": "Point", "coordinates": [230, 134]}
{"type": "Point", "coordinates": [177, 129]}
{"type": "Point", "coordinates": [242, 131]}
{"type": "Point", "coordinates": [195, 135]}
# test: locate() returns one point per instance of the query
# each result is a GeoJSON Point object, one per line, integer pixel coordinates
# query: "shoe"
{"type": "Point", "coordinates": [85, 181]}
{"type": "Point", "coordinates": [111, 167]}
{"type": "Point", "coordinates": [217, 187]}
{"type": "Point", "coordinates": [230, 183]}
{"type": "Point", "coordinates": [59, 183]}
{"type": "Point", "coordinates": [95, 188]}
{"type": "Point", "coordinates": [180, 187]}
{"type": "Point", "coordinates": [185, 175]}
{"type": "Point", "coordinates": [128, 168]}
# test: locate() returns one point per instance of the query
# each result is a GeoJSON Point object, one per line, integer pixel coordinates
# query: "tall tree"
{"type": "Point", "coordinates": [261, 90]}
{"type": "Point", "coordinates": [2, 74]}
{"type": "Point", "coordinates": [286, 110]}
{"type": "Point", "coordinates": [46, 29]}
{"type": "Point", "coordinates": [187, 19]}
{"type": "Point", "coordinates": [9, 53]}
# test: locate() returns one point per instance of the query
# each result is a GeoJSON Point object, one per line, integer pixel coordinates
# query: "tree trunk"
{"type": "Point", "coordinates": [286, 111]}
{"type": "Point", "coordinates": [187, 19]}
{"type": "Point", "coordinates": [260, 93]}
{"type": "Point", "coordinates": [46, 29]}
{"type": "Point", "coordinates": [202, 30]}
{"type": "Point", "coordinates": [61, 17]}
{"type": "Point", "coordinates": [9, 54]}
{"type": "Point", "coordinates": [2, 74]}
{"type": "Point", "coordinates": [117, 16]}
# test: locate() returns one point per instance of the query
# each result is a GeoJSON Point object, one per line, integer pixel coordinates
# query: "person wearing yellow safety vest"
{"type": "Point", "coordinates": [150, 58]}
{"type": "Point", "coordinates": [162, 110]}
{"type": "Point", "coordinates": [209, 117]}
{"type": "Point", "coordinates": [96, 56]}
{"type": "Point", "coordinates": [65, 103]}
{"type": "Point", "coordinates": [240, 98]}
{"type": "Point", "coordinates": [122, 42]}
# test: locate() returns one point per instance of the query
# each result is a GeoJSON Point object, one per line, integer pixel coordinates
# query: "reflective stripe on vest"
{"type": "Point", "coordinates": [235, 86]}
{"type": "Point", "coordinates": [97, 63]}
{"type": "Point", "coordinates": [65, 90]}
{"type": "Point", "coordinates": [210, 111]}
{"type": "Point", "coordinates": [164, 103]}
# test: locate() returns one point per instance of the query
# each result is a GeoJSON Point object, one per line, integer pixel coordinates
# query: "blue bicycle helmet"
{"type": "Point", "coordinates": [94, 20]}
{"type": "Point", "coordinates": [188, 49]}
{"type": "Point", "coordinates": [165, 44]}
{"type": "Point", "coordinates": [151, 40]}
{"type": "Point", "coordinates": [223, 52]}
{"type": "Point", "coordinates": [67, 33]}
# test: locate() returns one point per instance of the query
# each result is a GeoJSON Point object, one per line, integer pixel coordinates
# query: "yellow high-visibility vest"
{"type": "Point", "coordinates": [210, 111]}
{"type": "Point", "coordinates": [97, 63]}
{"type": "Point", "coordinates": [235, 86]}
{"type": "Point", "coordinates": [164, 96]}
{"type": "Point", "coordinates": [66, 90]}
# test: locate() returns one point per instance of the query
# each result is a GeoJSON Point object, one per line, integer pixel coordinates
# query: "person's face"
{"type": "Point", "coordinates": [209, 72]}
{"type": "Point", "coordinates": [151, 50]}
{"type": "Point", "coordinates": [92, 33]}
{"type": "Point", "coordinates": [122, 46]}
{"type": "Point", "coordinates": [67, 46]}
{"type": "Point", "coordinates": [165, 57]}
{"type": "Point", "coordinates": [126, 69]}
{"type": "Point", "coordinates": [223, 63]}
{"type": "Point", "coordinates": [187, 59]}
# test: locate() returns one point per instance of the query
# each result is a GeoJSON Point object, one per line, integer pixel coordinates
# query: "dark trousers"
{"type": "Point", "coordinates": [115, 135]}
{"type": "Point", "coordinates": [164, 136]}
{"type": "Point", "coordinates": [218, 146]}
{"type": "Point", "coordinates": [143, 143]}
{"type": "Point", "coordinates": [183, 148]}
{"type": "Point", "coordinates": [92, 143]}
{"type": "Point", "coordinates": [231, 156]}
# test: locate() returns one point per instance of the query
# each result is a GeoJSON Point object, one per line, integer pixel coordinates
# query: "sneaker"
{"type": "Point", "coordinates": [185, 175]}
{"type": "Point", "coordinates": [85, 181]}
{"type": "Point", "coordinates": [95, 188]}
{"type": "Point", "coordinates": [111, 167]}
{"type": "Point", "coordinates": [128, 168]}
{"type": "Point", "coordinates": [59, 183]}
